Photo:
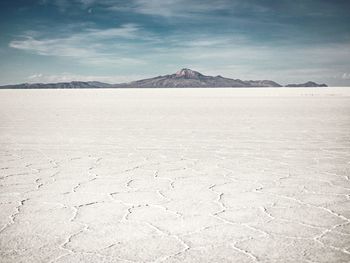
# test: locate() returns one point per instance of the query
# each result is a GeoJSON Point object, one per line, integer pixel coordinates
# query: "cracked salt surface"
{"type": "Point", "coordinates": [175, 175]}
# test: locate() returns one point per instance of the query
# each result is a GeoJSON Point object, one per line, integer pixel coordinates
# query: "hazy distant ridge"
{"type": "Point", "coordinates": [61, 85]}
{"type": "Point", "coordinates": [184, 78]}
{"type": "Point", "coordinates": [307, 84]}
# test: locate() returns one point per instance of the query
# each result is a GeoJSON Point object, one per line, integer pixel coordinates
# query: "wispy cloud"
{"type": "Point", "coordinates": [68, 77]}
{"type": "Point", "coordinates": [345, 76]}
{"type": "Point", "coordinates": [176, 8]}
{"type": "Point", "coordinates": [163, 8]}
{"type": "Point", "coordinates": [52, 47]}
{"type": "Point", "coordinates": [125, 31]}
{"type": "Point", "coordinates": [89, 45]}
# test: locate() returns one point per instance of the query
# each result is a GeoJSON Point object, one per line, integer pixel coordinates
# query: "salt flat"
{"type": "Point", "coordinates": [175, 175]}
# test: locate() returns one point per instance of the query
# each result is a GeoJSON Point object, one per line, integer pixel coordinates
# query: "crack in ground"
{"type": "Point", "coordinates": [14, 215]}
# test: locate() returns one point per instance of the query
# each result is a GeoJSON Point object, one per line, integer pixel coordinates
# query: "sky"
{"type": "Point", "coordinates": [115, 41]}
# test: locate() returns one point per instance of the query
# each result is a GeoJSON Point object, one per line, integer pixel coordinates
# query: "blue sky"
{"type": "Point", "coordinates": [118, 41]}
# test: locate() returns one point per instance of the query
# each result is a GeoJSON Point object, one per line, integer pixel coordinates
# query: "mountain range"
{"type": "Point", "coordinates": [184, 78]}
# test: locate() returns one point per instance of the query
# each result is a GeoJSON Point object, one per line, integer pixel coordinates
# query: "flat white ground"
{"type": "Point", "coordinates": [175, 175]}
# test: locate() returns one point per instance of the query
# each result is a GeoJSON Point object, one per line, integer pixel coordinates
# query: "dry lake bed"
{"type": "Point", "coordinates": [175, 175]}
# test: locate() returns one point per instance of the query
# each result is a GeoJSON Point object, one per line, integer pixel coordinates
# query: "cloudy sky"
{"type": "Point", "coordinates": [289, 41]}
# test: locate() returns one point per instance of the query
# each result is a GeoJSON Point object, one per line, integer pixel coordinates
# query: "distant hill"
{"type": "Point", "coordinates": [61, 85]}
{"type": "Point", "coordinates": [307, 84]}
{"type": "Point", "coordinates": [187, 78]}
{"type": "Point", "coordinates": [184, 78]}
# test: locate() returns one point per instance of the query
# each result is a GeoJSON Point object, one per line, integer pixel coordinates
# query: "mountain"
{"type": "Point", "coordinates": [186, 78]}
{"type": "Point", "coordinates": [61, 85]}
{"type": "Point", "coordinates": [307, 84]}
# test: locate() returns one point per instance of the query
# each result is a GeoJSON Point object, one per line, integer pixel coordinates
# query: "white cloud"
{"type": "Point", "coordinates": [125, 31]}
{"type": "Point", "coordinates": [87, 2]}
{"type": "Point", "coordinates": [68, 77]}
{"type": "Point", "coordinates": [178, 8]}
{"type": "Point", "coordinates": [166, 8]}
{"type": "Point", "coordinates": [89, 45]}
{"type": "Point", "coordinates": [345, 76]}
{"type": "Point", "coordinates": [64, 47]}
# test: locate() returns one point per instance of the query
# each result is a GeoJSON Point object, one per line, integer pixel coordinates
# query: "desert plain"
{"type": "Point", "coordinates": [175, 175]}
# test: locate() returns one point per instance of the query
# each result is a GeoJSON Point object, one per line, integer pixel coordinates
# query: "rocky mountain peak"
{"type": "Point", "coordinates": [187, 73]}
